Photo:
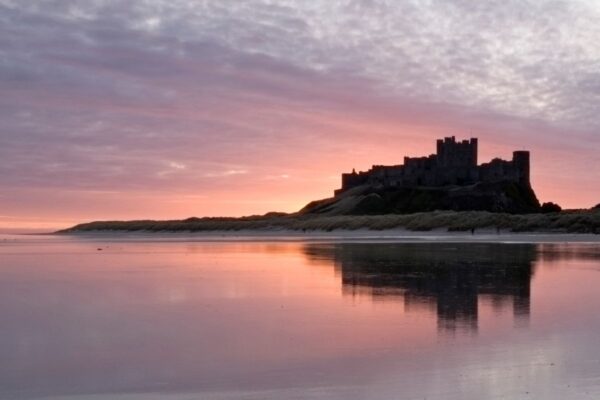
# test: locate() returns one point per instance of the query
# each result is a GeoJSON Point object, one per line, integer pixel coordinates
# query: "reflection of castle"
{"type": "Point", "coordinates": [447, 277]}
{"type": "Point", "coordinates": [454, 164]}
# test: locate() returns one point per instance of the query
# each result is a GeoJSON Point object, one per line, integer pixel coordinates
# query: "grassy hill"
{"type": "Point", "coordinates": [577, 221]}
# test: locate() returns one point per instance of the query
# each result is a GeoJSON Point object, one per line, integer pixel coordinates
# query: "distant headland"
{"type": "Point", "coordinates": [447, 190]}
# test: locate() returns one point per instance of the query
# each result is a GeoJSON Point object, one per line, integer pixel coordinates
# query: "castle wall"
{"type": "Point", "coordinates": [353, 179]}
{"type": "Point", "coordinates": [516, 170]}
{"type": "Point", "coordinates": [497, 170]}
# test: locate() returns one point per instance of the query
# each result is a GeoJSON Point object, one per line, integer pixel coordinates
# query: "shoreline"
{"type": "Point", "coordinates": [449, 222]}
{"type": "Point", "coordinates": [338, 235]}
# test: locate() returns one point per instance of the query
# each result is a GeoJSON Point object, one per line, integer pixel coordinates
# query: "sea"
{"type": "Point", "coordinates": [176, 317]}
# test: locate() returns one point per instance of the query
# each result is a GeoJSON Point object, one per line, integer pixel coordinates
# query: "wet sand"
{"type": "Point", "coordinates": [394, 235]}
{"type": "Point", "coordinates": [394, 316]}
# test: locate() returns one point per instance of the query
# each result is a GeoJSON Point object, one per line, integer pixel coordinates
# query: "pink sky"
{"type": "Point", "coordinates": [166, 109]}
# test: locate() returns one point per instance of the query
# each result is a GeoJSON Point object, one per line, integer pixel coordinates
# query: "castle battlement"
{"type": "Point", "coordinates": [455, 163]}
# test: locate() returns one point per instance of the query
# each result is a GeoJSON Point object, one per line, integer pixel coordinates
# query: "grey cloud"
{"type": "Point", "coordinates": [104, 93]}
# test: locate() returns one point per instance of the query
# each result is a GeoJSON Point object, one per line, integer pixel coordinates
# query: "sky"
{"type": "Point", "coordinates": [160, 109]}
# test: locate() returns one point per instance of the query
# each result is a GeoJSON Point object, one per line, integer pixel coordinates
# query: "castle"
{"type": "Point", "coordinates": [455, 163]}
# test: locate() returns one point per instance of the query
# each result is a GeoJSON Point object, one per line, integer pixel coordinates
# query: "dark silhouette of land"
{"type": "Point", "coordinates": [581, 221]}
{"type": "Point", "coordinates": [447, 190]}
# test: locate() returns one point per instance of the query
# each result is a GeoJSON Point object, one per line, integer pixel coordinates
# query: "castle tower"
{"type": "Point", "coordinates": [453, 154]}
{"type": "Point", "coordinates": [521, 162]}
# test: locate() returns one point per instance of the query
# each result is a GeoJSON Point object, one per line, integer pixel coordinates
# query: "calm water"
{"type": "Point", "coordinates": [177, 319]}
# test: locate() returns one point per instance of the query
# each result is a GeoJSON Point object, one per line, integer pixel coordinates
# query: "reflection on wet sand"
{"type": "Point", "coordinates": [449, 278]}
{"type": "Point", "coordinates": [168, 319]}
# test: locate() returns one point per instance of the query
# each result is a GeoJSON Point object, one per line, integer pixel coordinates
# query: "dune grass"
{"type": "Point", "coordinates": [582, 221]}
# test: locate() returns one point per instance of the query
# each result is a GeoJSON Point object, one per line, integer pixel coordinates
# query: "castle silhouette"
{"type": "Point", "coordinates": [454, 164]}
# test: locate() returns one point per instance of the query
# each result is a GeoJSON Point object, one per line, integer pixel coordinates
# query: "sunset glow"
{"type": "Point", "coordinates": [170, 109]}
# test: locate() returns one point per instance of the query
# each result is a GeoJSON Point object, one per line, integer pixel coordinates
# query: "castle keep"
{"type": "Point", "coordinates": [455, 163]}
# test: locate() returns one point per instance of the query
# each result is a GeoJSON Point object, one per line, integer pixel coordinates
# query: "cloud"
{"type": "Point", "coordinates": [280, 176]}
{"type": "Point", "coordinates": [528, 59]}
{"type": "Point", "coordinates": [104, 95]}
{"type": "Point", "coordinates": [175, 165]}
{"type": "Point", "coordinates": [222, 174]}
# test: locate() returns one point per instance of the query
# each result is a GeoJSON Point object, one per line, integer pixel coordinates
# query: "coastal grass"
{"type": "Point", "coordinates": [577, 221]}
